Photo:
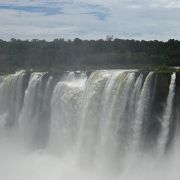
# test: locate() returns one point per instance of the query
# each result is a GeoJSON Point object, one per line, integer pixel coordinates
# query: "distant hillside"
{"type": "Point", "coordinates": [82, 54]}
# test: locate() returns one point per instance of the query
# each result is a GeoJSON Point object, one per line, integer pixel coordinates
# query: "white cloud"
{"type": "Point", "coordinates": [140, 19]}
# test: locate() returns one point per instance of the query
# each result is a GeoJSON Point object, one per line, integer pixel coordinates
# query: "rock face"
{"type": "Point", "coordinates": [178, 79]}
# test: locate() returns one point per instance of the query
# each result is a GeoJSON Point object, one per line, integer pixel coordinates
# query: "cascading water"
{"type": "Point", "coordinates": [11, 97]}
{"type": "Point", "coordinates": [134, 98]}
{"type": "Point", "coordinates": [142, 110]}
{"type": "Point", "coordinates": [28, 120]}
{"type": "Point", "coordinates": [112, 127]}
{"type": "Point", "coordinates": [73, 126]}
{"type": "Point", "coordinates": [167, 117]}
{"type": "Point", "coordinates": [65, 113]}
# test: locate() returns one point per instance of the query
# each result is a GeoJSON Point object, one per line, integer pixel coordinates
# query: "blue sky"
{"type": "Point", "coordinates": [49, 19]}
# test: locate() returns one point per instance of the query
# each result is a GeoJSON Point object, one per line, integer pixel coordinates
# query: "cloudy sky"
{"type": "Point", "coordinates": [90, 19]}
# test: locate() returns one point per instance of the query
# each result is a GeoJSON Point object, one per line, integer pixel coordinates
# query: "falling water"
{"type": "Point", "coordinates": [65, 113]}
{"type": "Point", "coordinates": [28, 120]}
{"type": "Point", "coordinates": [167, 117]}
{"type": "Point", "coordinates": [134, 99]}
{"type": "Point", "coordinates": [87, 126]}
{"type": "Point", "coordinates": [112, 127]}
{"type": "Point", "coordinates": [142, 110]}
{"type": "Point", "coordinates": [11, 97]}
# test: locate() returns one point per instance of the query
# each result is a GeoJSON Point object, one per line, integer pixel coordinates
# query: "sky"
{"type": "Point", "coordinates": [90, 19]}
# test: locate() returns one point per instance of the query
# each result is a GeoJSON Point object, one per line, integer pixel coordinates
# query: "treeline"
{"type": "Point", "coordinates": [81, 54]}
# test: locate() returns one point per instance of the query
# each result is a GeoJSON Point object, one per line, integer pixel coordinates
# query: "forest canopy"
{"type": "Point", "coordinates": [81, 54]}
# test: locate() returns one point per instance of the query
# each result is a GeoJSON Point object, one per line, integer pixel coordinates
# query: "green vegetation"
{"type": "Point", "coordinates": [88, 54]}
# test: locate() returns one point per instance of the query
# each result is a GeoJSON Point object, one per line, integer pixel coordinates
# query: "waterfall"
{"type": "Point", "coordinates": [167, 116]}
{"type": "Point", "coordinates": [65, 113]}
{"type": "Point", "coordinates": [11, 97]}
{"type": "Point", "coordinates": [113, 128]}
{"type": "Point", "coordinates": [101, 122]}
{"type": "Point", "coordinates": [142, 110]}
{"type": "Point", "coordinates": [135, 96]}
{"type": "Point", "coordinates": [29, 116]}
